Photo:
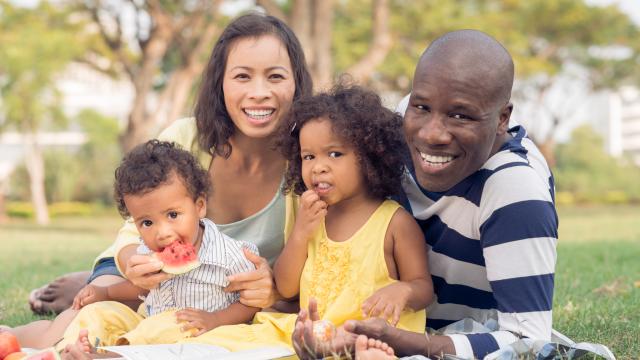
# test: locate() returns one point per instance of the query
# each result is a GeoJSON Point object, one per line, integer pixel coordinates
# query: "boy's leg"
{"type": "Point", "coordinates": [107, 321]}
{"type": "Point", "coordinates": [157, 329]}
{"type": "Point", "coordinates": [44, 333]}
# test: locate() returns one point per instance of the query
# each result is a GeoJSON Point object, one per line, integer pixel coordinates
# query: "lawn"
{"type": "Point", "coordinates": [597, 296]}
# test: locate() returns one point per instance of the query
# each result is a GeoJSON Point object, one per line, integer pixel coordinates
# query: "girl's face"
{"type": "Point", "coordinates": [166, 214]}
{"type": "Point", "coordinates": [330, 166]}
{"type": "Point", "coordinates": [258, 84]}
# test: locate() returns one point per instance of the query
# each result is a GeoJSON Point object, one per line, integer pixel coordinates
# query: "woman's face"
{"type": "Point", "coordinates": [258, 84]}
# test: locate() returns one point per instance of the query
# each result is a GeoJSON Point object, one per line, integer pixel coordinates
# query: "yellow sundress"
{"type": "Point", "coordinates": [340, 275]}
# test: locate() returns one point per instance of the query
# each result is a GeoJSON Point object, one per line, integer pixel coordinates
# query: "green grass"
{"type": "Point", "coordinates": [595, 297]}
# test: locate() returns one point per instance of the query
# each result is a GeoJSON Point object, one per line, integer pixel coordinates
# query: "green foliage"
{"type": "Point", "coordinates": [36, 45]}
{"type": "Point", "coordinates": [542, 36]}
{"type": "Point", "coordinates": [586, 173]}
{"type": "Point", "coordinates": [84, 174]}
{"type": "Point", "coordinates": [22, 209]}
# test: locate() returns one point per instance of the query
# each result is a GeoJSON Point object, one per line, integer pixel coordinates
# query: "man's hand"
{"type": "Point", "coordinates": [307, 347]}
{"type": "Point", "coordinates": [89, 295]}
{"type": "Point", "coordinates": [196, 321]}
{"type": "Point", "coordinates": [388, 302]}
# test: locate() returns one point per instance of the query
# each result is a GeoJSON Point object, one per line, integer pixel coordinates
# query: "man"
{"type": "Point", "coordinates": [483, 195]}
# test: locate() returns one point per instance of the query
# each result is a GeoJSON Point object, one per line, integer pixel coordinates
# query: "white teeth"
{"type": "Point", "coordinates": [258, 113]}
{"type": "Point", "coordinates": [435, 159]}
{"type": "Point", "coordinates": [323, 185]}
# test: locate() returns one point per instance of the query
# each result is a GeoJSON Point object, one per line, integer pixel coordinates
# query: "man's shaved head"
{"type": "Point", "coordinates": [476, 52]}
{"type": "Point", "coordinates": [459, 109]}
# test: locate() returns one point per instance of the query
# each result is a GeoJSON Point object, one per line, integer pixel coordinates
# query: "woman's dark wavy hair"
{"type": "Point", "coordinates": [212, 119]}
{"type": "Point", "coordinates": [358, 117]}
{"type": "Point", "coordinates": [150, 165]}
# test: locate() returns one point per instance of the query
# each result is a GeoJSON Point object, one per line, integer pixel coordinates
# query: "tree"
{"type": "Point", "coordinates": [162, 58]}
{"type": "Point", "coordinates": [313, 21]}
{"type": "Point", "coordinates": [36, 45]}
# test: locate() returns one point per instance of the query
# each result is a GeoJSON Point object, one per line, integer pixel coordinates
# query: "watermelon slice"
{"type": "Point", "coordinates": [178, 258]}
{"type": "Point", "coordinates": [46, 354]}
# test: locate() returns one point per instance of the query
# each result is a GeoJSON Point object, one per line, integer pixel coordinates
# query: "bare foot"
{"type": "Point", "coordinates": [372, 349]}
{"type": "Point", "coordinates": [58, 295]}
{"type": "Point", "coordinates": [80, 350]}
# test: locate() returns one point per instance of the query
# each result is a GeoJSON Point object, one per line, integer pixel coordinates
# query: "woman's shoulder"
{"type": "Point", "coordinates": [182, 131]}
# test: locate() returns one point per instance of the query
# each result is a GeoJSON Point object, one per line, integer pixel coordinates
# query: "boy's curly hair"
{"type": "Point", "coordinates": [150, 165]}
{"type": "Point", "coordinates": [358, 117]}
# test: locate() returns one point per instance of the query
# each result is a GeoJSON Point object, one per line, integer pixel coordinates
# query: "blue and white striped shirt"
{"type": "Point", "coordinates": [492, 246]}
{"type": "Point", "coordinates": [202, 288]}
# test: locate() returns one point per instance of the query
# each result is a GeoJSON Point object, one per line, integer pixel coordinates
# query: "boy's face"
{"type": "Point", "coordinates": [329, 166]}
{"type": "Point", "coordinates": [167, 214]}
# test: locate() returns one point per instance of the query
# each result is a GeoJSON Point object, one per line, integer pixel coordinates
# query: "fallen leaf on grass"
{"type": "Point", "coordinates": [617, 287]}
{"type": "Point", "coordinates": [569, 308]}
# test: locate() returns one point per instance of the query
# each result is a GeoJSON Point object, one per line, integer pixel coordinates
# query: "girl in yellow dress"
{"type": "Point", "coordinates": [355, 252]}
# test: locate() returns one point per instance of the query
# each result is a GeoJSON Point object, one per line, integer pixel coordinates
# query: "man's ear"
{"type": "Point", "coordinates": [201, 206]}
{"type": "Point", "coordinates": [503, 121]}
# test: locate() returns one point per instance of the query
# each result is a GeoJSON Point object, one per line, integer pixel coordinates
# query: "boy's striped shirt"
{"type": "Point", "coordinates": [492, 246]}
{"type": "Point", "coordinates": [202, 288]}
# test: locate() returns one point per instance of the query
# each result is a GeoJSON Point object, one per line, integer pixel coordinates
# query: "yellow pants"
{"type": "Point", "coordinates": [116, 324]}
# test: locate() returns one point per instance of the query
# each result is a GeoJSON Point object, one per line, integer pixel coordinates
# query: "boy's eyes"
{"type": "Point", "coordinates": [173, 214]}
{"type": "Point", "coordinates": [146, 223]}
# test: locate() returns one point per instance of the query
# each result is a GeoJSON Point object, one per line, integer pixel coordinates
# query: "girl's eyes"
{"type": "Point", "coordinates": [146, 223]}
{"type": "Point", "coordinates": [173, 214]}
{"type": "Point", "coordinates": [307, 157]}
{"type": "Point", "coordinates": [335, 154]}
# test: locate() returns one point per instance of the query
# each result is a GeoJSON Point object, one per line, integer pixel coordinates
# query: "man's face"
{"type": "Point", "coordinates": [452, 124]}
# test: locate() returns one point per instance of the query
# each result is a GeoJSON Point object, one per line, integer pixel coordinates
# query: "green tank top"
{"type": "Point", "coordinates": [264, 228]}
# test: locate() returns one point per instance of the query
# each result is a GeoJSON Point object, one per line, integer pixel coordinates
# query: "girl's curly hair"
{"type": "Point", "coordinates": [150, 165]}
{"type": "Point", "coordinates": [358, 117]}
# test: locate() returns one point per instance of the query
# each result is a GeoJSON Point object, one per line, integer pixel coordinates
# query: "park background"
{"type": "Point", "coordinates": [81, 82]}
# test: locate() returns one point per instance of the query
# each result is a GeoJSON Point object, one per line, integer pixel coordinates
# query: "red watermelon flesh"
{"type": "Point", "coordinates": [46, 354]}
{"type": "Point", "coordinates": [178, 258]}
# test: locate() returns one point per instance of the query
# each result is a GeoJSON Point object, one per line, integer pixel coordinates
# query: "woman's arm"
{"type": "Point", "coordinates": [288, 268]}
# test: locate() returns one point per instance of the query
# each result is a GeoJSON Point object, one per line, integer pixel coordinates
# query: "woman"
{"type": "Point", "coordinates": [256, 70]}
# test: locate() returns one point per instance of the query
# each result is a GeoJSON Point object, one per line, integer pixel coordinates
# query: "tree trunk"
{"type": "Point", "coordinates": [4, 218]}
{"type": "Point", "coordinates": [380, 45]}
{"type": "Point", "coordinates": [322, 23]}
{"type": "Point", "coordinates": [35, 167]}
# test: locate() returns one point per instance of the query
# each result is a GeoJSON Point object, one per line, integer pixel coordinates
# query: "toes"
{"type": "Point", "coordinates": [361, 343]}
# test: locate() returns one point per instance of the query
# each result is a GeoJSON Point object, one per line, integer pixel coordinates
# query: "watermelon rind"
{"type": "Point", "coordinates": [177, 270]}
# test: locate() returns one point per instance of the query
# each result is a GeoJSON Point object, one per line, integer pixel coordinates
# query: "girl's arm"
{"type": "Point", "coordinates": [410, 255]}
{"type": "Point", "coordinates": [414, 288]}
{"type": "Point", "coordinates": [288, 267]}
